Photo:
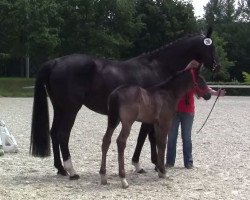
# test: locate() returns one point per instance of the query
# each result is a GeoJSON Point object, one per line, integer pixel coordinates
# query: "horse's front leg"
{"type": "Point", "coordinates": [105, 147]}
{"type": "Point", "coordinates": [151, 137]}
{"type": "Point", "coordinates": [161, 136]}
{"type": "Point", "coordinates": [144, 130]}
{"type": "Point", "coordinates": [121, 145]}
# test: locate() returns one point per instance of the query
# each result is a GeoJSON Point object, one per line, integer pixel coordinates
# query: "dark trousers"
{"type": "Point", "coordinates": [186, 122]}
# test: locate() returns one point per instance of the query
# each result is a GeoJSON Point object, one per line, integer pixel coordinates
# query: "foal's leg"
{"type": "Point", "coordinates": [121, 144]}
{"type": "Point", "coordinates": [145, 128]}
{"type": "Point", "coordinates": [66, 123]}
{"type": "Point", "coordinates": [55, 143]}
{"type": "Point", "coordinates": [105, 146]}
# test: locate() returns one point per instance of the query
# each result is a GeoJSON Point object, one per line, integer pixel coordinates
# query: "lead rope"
{"type": "Point", "coordinates": [209, 112]}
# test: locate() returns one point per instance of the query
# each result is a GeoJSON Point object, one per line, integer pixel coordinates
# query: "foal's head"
{"type": "Point", "coordinates": [200, 86]}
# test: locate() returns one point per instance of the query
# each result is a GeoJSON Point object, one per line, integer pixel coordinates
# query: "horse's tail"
{"type": "Point", "coordinates": [40, 137]}
{"type": "Point", "coordinates": [113, 110]}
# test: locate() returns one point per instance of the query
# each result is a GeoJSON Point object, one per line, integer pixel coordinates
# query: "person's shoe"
{"type": "Point", "coordinates": [189, 166]}
{"type": "Point", "coordinates": [169, 165]}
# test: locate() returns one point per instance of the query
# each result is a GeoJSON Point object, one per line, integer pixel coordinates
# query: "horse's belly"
{"type": "Point", "coordinates": [97, 104]}
{"type": "Point", "coordinates": [147, 116]}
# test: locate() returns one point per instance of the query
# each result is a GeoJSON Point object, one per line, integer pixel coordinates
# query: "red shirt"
{"type": "Point", "coordinates": [186, 104]}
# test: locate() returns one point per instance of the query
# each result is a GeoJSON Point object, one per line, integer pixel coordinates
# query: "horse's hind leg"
{"type": "Point", "coordinates": [140, 142]}
{"type": "Point", "coordinates": [105, 146]}
{"type": "Point", "coordinates": [121, 144]}
{"type": "Point", "coordinates": [152, 140]}
{"type": "Point", "coordinates": [55, 143]}
{"type": "Point", "coordinates": [66, 123]}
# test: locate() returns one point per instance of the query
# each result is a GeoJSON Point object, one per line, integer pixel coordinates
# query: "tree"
{"type": "Point", "coordinates": [220, 11]}
{"type": "Point", "coordinates": [164, 21]}
{"type": "Point", "coordinates": [226, 65]}
{"type": "Point", "coordinates": [100, 27]}
{"type": "Point", "coordinates": [244, 10]}
{"type": "Point", "coordinates": [31, 28]}
{"type": "Point", "coordinates": [235, 31]}
{"type": "Point", "coordinates": [246, 77]}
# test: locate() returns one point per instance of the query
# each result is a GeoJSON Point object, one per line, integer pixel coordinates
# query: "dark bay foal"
{"type": "Point", "coordinates": [156, 105]}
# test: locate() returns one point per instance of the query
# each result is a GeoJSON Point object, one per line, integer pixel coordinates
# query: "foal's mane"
{"type": "Point", "coordinates": [169, 45]}
{"type": "Point", "coordinates": [167, 83]}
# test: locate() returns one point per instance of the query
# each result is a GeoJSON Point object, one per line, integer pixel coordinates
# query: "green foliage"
{"type": "Point", "coordinates": [30, 27]}
{"type": "Point", "coordinates": [44, 29]}
{"type": "Point", "coordinates": [164, 21]}
{"type": "Point", "coordinates": [244, 10]}
{"type": "Point", "coordinates": [220, 11]}
{"type": "Point", "coordinates": [232, 24]}
{"type": "Point", "coordinates": [246, 77]}
{"type": "Point", "coordinates": [105, 27]}
{"type": "Point", "coordinates": [112, 28]}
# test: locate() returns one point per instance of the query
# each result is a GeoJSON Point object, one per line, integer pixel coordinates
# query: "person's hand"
{"type": "Point", "coordinates": [221, 92]}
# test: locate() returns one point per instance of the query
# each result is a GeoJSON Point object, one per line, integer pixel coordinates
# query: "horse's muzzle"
{"type": "Point", "coordinates": [207, 96]}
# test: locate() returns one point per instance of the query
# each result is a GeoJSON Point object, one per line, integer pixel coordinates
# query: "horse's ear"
{"type": "Point", "coordinates": [209, 32]}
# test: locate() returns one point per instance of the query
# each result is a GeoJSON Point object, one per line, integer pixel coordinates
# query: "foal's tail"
{"type": "Point", "coordinates": [40, 137]}
{"type": "Point", "coordinates": [113, 110]}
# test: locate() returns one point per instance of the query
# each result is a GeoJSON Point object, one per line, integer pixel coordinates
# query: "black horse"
{"type": "Point", "coordinates": [76, 80]}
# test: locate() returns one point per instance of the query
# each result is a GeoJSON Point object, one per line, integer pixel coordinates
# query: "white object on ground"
{"type": "Point", "coordinates": [7, 141]}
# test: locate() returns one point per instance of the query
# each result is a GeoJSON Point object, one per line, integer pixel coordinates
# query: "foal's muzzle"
{"type": "Point", "coordinates": [216, 67]}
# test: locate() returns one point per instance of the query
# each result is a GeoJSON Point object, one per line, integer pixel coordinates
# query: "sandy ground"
{"type": "Point", "coordinates": [221, 154]}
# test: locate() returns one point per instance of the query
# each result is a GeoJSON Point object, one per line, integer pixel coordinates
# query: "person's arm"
{"type": "Point", "coordinates": [220, 92]}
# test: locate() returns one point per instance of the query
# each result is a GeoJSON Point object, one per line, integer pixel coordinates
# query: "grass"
{"type": "Point", "coordinates": [15, 87]}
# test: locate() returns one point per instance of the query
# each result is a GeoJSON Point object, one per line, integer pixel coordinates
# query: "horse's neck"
{"type": "Point", "coordinates": [182, 85]}
{"type": "Point", "coordinates": [172, 58]}
{"type": "Point", "coordinates": [176, 86]}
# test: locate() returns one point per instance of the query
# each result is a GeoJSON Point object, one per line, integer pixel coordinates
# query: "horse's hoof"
{"type": "Point", "coordinates": [162, 175]}
{"type": "Point", "coordinates": [125, 186]}
{"type": "Point", "coordinates": [62, 172]}
{"type": "Point", "coordinates": [124, 183]}
{"type": "Point", "coordinates": [104, 182]}
{"type": "Point", "coordinates": [103, 179]}
{"type": "Point", "coordinates": [74, 177]}
{"type": "Point", "coordinates": [141, 171]}
{"type": "Point", "coordinates": [156, 169]}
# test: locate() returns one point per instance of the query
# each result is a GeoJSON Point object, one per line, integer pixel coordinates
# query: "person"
{"type": "Point", "coordinates": [184, 117]}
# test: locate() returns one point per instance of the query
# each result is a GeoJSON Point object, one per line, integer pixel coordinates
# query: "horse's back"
{"type": "Point", "coordinates": [70, 76]}
{"type": "Point", "coordinates": [135, 103]}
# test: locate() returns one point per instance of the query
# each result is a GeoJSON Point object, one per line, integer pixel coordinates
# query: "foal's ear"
{"type": "Point", "coordinates": [193, 64]}
{"type": "Point", "coordinates": [209, 32]}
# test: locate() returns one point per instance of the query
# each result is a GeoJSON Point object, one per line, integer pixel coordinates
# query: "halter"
{"type": "Point", "coordinates": [208, 42]}
{"type": "Point", "coordinates": [198, 90]}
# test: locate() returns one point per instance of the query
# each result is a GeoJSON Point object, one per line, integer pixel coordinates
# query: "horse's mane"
{"type": "Point", "coordinates": [169, 45]}
{"type": "Point", "coordinates": [166, 84]}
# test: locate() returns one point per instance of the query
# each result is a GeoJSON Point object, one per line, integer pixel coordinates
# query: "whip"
{"type": "Point", "coordinates": [209, 112]}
